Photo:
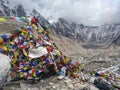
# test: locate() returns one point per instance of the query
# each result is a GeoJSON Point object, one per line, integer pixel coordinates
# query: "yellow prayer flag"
{"type": "Point", "coordinates": [5, 48]}
{"type": "Point", "coordinates": [59, 53]}
{"type": "Point", "coordinates": [24, 17]}
{"type": "Point", "coordinates": [21, 74]}
{"type": "Point", "coordinates": [12, 42]}
{"type": "Point", "coordinates": [66, 60]}
{"type": "Point", "coordinates": [39, 30]}
{"type": "Point", "coordinates": [25, 68]}
{"type": "Point", "coordinates": [24, 52]}
{"type": "Point", "coordinates": [2, 19]}
{"type": "Point", "coordinates": [34, 74]}
{"type": "Point", "coordinates": [1, 40]}
{"type": "Point", "coordinates": [14, 60]}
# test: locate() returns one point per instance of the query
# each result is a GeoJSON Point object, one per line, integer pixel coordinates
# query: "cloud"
{"type": "Point", "coordinates": [89, 12]}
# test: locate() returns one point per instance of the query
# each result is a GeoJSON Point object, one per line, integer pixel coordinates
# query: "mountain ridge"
{"type": "Point", "coordinates": [107, 33]}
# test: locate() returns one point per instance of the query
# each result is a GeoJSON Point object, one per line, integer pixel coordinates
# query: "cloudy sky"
{"type": "Point", "coordinates": [89, 12]}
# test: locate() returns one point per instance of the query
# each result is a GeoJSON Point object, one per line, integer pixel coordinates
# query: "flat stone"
{"type": "Point", "coordinates": [80, 86]}
{"type": "Point", "coordinates": [68, 81]}
{"type": "Point", "coordinates": [35, 88]}
{"type": "Point", "coordinates": [70, 85]}
{"type": "Point", "coordinates": [76, 80]}
{"type": "Point", "coordinates": [13, 88]}
{"type": "Point", "coordinates": [42, 81]}
{"type": "Point", "coordinates": [93, 87]}
{"type": "Point", "coordinates": [118, 84]}
{"type": "Point", "coordinates": [57, 85]}
{"type": "Point", "coordinates": [24, 86]}
{"type": "Point", "coordinates": [50, 83]}
{"type": "Point", "coordinates": [46, 88]}
{"type": "Point", "coordinates": [77, 85]}
{"type": "Point", "coordinates": [58, 88]}
{"type": "Point", "coordinates": [92, 80]}
{"type": "Point", "coordinates": [60, 77]}
{"type": "Point", "coordinates": [63, 89]}
{"type": "Point", "coordinates": [54, 87]}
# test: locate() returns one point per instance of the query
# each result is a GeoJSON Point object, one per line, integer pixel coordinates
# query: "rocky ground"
{"type": "Point", "coordinates": [53, 83]}
{"type": "Point", "coordinates": [11, 25]}
{"type": "Point", "coordinates": [96, 59]}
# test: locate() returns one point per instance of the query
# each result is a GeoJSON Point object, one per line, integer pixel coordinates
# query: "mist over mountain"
{"type": "Point", "coordinates": [87, 12]}
{"type": "Point", "coordinates": [91, 36]}
{"type": "Point", "coordinates": [99, 36]}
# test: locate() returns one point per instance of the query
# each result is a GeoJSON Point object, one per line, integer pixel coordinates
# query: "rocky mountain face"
{"type": "Point", "coordinates": [91, 36]}
{"type": "Point", "coordinates": [6, 10]}
{"type": "Point", "coordinates": [17, 10]}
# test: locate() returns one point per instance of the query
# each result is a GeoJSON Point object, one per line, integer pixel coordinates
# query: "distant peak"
{"type": "Point", "coordinates": [62, 20]}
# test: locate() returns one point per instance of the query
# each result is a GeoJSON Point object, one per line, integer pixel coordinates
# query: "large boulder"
{"type": "Point", "coordinates": [4, 69]}
{"type": "Point", "coordinates": [102, 85]}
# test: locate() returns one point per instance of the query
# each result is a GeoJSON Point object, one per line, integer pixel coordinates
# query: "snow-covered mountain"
{"type": "Point", "coordinates": [92, 36]}
{"type": "Point", "coordinates": [8, 8]}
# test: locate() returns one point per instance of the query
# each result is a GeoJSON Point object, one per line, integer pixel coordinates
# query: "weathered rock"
{"type": "Point", "coordinates": [117, 85]}
{"type": "Point", "coordinates": [81, 86]}
{"type": "Point", "coordinates": [50, 83]}
{"type": "Point", "coordinates": [70, 85]}
{"type": "Point", "coordinates": [42, 81]}
{"type": "Point", "coordinates": [93, 87]}
{"type": "Point", "coordinates": [4, 69]}
{"type": "Point", "coordinates": [76, 80]}
{"type": "Point", "coordinates": [13, 88]}
{"type": "Point", "coordinates": [54, 87]}
{"type": "Point", "coordinates": [24, 86]}
{"type": "Point", "coordinates": [102, 85]}
{"type": "Point", "coordinates": [67, 80]}
{"type": "Point", "coordinates": [64, 88]}
{"type": "Point", "coordinates": [92, 79]}
{"type": "Point", "coordinates": [77, 85]}
{"type": "Point", "coordinates": [60, 77]}
{"type": "Point", "coordinates": [35, 88]}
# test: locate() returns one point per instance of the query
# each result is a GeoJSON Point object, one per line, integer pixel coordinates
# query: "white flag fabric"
{"type": "Point", "coordinates": [35, 53]}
